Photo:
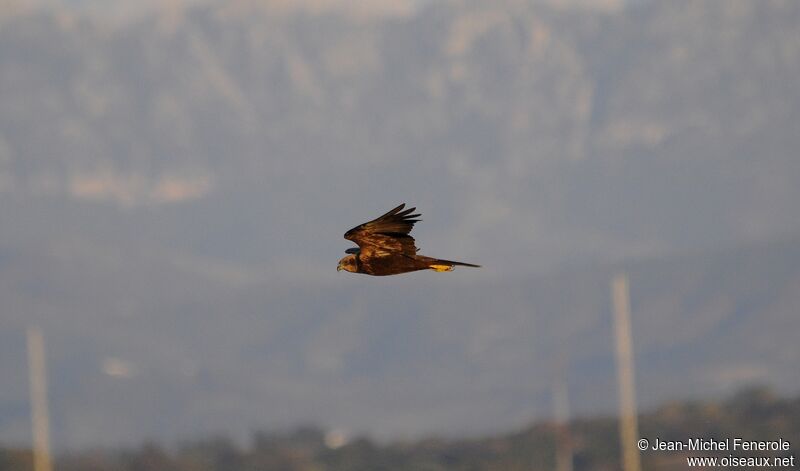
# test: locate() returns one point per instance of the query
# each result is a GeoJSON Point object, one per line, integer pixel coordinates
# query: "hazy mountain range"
{"type": "Point", "coordinates": [174, 190]}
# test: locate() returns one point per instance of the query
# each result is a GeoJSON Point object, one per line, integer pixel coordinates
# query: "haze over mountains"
{"type": "Point", "coordinates": [174, 190]}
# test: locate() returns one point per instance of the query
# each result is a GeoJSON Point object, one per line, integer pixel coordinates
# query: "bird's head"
{"type": "Point", "coordinates": [348, 263]}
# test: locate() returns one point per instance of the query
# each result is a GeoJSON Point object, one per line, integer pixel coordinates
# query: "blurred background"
{"type": "Point", "coordinates": [176, 177]}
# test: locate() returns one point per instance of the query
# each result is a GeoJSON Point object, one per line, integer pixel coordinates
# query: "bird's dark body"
{"type": "Point", "coordinates": [386, 248]}
{"type": "Point", "coordinates": [382, 266]}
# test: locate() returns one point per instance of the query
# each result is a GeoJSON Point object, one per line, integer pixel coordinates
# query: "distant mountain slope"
{"type": "Point", "coordinates": [663, 126]}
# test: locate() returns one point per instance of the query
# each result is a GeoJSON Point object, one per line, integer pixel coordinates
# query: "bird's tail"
{"type": "Point", "coordinates": [437, 264]}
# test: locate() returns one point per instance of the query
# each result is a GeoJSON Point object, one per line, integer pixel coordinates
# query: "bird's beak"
{"type": "Point", "coordinates": [338, 268]}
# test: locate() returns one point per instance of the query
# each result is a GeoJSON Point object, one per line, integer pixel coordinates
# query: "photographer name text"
{"type": "Point", "coordinates": [726, 444]}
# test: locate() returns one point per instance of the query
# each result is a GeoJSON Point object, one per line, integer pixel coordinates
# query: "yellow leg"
{"type": "Point", "coordinates": [440, 268]}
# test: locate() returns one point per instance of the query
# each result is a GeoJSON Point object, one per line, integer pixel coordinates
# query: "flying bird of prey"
{"type": "Point", "coordinates": [385, 248]}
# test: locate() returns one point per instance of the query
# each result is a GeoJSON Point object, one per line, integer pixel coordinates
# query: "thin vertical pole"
{"type": "Point", "coordinates": [561, 416]}
{"type": "Point", "coordinates": [40, 417]}
{"type": "Point", "coordinates": [628, 425]}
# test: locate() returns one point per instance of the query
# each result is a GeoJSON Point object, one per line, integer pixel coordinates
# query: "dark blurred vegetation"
{"type": "Point", "coordinates": [753, 414]}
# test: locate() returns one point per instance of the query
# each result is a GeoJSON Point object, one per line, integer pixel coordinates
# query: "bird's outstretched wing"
{"type": "Point", "coordinates": [387, 234]}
